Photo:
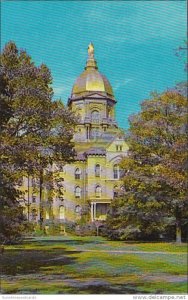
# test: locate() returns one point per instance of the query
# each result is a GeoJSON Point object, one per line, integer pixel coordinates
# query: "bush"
{"type": "Point", "coordinates": [70, 227]}
{"type": "Point", "coordinates": [86, 229]}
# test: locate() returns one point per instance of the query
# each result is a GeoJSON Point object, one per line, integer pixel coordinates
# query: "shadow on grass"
{"type": "Point", "coordinates": [90, 289]}
{"type": "Point", "coordinates": [102, 289]}
{"type": "Point", "coordinates": [21, 261]}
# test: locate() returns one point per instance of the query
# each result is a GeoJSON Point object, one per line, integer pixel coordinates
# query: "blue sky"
{"type": "Point", "coordinates": [134, 41]}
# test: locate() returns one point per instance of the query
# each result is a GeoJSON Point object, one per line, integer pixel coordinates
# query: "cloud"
{"type": "Point", "coordinates": [119, 84]}
{"type": "Point", "coordinates": [59, 90]}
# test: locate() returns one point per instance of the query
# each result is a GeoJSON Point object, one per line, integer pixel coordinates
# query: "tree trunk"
{"type": "Point", "coordinates": [178, 232]}
{"type": "Point", "coordinates": [41, 200]}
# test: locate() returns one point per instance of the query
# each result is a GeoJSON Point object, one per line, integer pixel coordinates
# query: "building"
{"type": "Point", "coordinates": [87, 186]}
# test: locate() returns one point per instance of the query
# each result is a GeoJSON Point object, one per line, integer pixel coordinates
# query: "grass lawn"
{"type": "Point", "coordinates": [93, 265]}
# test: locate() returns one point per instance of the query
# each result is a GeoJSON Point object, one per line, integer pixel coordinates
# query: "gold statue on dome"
{"type": "Point", "coordinates": [91, 50]}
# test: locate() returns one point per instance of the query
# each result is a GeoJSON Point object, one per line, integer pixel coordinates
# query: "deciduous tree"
{"type": "Point", "coordinates": [35, 130]}
{"type": "Point", "coordinates": [155, 180]}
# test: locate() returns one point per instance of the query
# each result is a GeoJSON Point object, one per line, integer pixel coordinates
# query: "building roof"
{"type": "Point", "coordinates": [91, 80]}
{"type": "Point", "coordinates": [81, 156]}
{"type": "Point", "coordinates": [96, 151]}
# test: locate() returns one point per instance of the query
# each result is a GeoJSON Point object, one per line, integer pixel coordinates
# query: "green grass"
{"type": "Point", "coordinates": [93, 265]}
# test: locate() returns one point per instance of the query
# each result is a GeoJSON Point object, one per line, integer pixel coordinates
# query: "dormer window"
{"type": "Point", "coordinates": [119, 147]}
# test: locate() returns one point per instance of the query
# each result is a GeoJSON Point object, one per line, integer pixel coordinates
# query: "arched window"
{"type": "Point", "coordinates": [97, 170]}
{"type": "Point", "coordinates": [95, 116]}
{"type": "Point", "coordinates": [115, 191]}
{"type": "Point", "coordinates": [34, 214]}
{"type": "Point", "coordinates": [116, 171]}
{"type": "Point", "coordinates": [78, 209]}
{"type": "Point", "coordinates": [34, 198]}
{"type": "Point", "coordinates": [77, 192]}
{"type": "Point", "coordinates": [98, 191]}
{"type": "Point", "coordinates": [61, 191]}
{"type": "Point", "coordinates": [77, 173]}
{"type": "Point", "coordinates": [62, 212]}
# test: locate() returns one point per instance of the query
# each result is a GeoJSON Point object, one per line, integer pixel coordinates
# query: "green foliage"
{"type": "Point", "coordinates": [70, 227]}
{"type": "Point", "coordinates": [35, 131]}
{"type": "Point", "coordinates": [155, 172]}
{"type": "Point", "coordinates": [12, 222]}
{"type": "Point", "coordinates": [83, 229]}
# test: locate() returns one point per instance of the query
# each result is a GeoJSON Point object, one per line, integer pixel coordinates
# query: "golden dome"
{"type": "Point", "coordinates": [91, 80]}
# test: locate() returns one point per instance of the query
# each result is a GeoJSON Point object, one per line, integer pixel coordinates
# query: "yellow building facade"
{"type": "Point", "coordinates": [87, 186]}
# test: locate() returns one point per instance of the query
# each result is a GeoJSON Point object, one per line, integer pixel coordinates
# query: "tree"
{"type": "Point", "coordinates": [12, 221]}
{"type": "Point", "coordinates": [33, 121]}
{"type": "Point", "coordinates": [155, 180]}
{"type": "Point", "coordinates": [35, 131]}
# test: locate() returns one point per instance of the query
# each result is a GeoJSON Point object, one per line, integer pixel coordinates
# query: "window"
{"type": "Point", "coordinates": [34, 199]}
{"type": "Point", "coordinates": [98, 191]}
{"type": "Point", "coordinates": [61, 190]}
{"type": "Point", "coordinates": [97, 170]}
{"type": "Point", "coordinates": [115, 192]}
{"type": "Point", "coordinates": [119, 148]}
{"type": "Point", "coordinates": [95, 116]}
{"type": "Point", "coordinates": [95, 133]}
{"type": "Point", "coordinates": [34, 214]}
{"type": "Point", "coordinates": [62, 212]}
{"type": "Point", "coordinates": [116, 171]}
{"type": "Point", "coordinates": [77, 173]}
{"type": "Point", "coordinates": [78, 192]}
{"type": "Point", "coordinates": [35, 182]}
{"type": "Point", "coordinates": [78, 209]}
{"type": "Point", "coordinates": [47, 215]}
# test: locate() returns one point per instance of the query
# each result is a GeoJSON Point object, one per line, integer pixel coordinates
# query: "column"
{"type": "Point", "coordinates": [87, 132]}
{"type": "Point", "coordinates": [95, 210]}
{"type": "Point", "coordinates": [91, 212]}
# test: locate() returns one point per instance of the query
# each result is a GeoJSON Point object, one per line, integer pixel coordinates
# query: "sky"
{"type": "Point", "coordinates": [135, 43]}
